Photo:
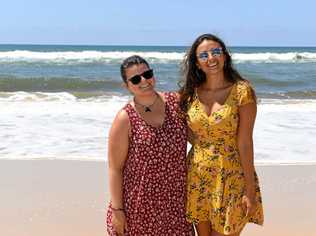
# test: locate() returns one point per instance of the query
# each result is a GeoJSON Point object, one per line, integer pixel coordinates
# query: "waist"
{"type": "Point", "coordinates": [227, 145]}
{"type": "Point", "coordinates": [213, 157]}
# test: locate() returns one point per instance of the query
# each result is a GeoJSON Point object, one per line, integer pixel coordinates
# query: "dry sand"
{"type": "Point", "coordinates": [68, 198]}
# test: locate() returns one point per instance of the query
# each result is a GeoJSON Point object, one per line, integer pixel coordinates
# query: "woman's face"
{"type": "Point", "coordinates": [210, 57]}
{"type": "Point", "coordinates": [143, 86]}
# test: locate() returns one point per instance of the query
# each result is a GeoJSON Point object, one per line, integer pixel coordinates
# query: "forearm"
{"type": "Point", "coordinates": [247, 162]}
{"type": "Point", "coordinates": [116, 187]}
{"type": "Point", "coordinates": [190, 136]}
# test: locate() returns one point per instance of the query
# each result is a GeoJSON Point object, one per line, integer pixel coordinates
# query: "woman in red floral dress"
{"type": "Point", "coordinates": [147, 151]}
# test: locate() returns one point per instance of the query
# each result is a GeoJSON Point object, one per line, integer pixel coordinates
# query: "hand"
{"type": "Point", "coordinates": [119, 222]}
{"type": "Point", "coordinates": [248, 204]}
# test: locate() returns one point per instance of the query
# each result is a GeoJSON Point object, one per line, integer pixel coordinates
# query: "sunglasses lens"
{"type": "Point", "coordinates": [216, 52]}
{"type": "Point", "coordinates": [203, 56]}
{"type": "Point", "coordinates": [148, 74]}
{"type": "Point", "coordinates": [135, 79]}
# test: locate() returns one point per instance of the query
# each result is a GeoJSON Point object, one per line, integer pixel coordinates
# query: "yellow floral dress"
{"type": "Point", "coordinates": [215, 177]}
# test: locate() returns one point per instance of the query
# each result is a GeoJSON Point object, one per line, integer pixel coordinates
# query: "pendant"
{"type": "Point", "coordinates": [147, 109]}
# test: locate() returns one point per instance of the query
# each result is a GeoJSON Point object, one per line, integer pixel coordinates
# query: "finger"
{"type": "Point", "coordinates": [244, 206]}
{"type": "Point", "coordinates": [120, 232]}
{"type": "Point", "coordinates": [249, 209]}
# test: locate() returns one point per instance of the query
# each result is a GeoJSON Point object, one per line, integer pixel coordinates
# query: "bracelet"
{"type": "Point", "coordinates": [116, 209]}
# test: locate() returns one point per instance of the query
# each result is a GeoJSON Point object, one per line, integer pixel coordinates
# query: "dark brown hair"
{"type": "Point", "coordinates": [130, 61]}
{"type": "Point", "coordinates": [193, 77]}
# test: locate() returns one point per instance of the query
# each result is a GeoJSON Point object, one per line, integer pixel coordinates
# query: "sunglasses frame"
{"type": "Point", "coordinates": [136, 79]}
{"type": "Point", "coordinates": [215, 52]}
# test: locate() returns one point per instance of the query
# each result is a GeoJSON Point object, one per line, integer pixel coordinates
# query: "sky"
{"type": "Point", "coordinates": [163, 22]}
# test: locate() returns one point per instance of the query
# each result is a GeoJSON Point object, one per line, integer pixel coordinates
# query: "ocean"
{"type": "Point", "coordinates": [58, 102]}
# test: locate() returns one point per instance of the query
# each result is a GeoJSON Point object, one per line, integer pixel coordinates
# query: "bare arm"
{"type": "Point", "coordinates": [117, 154]}
{"type": "Point", "coordinates": [190, 136]}
{"type": "Point", "coordinates": [247, 116]}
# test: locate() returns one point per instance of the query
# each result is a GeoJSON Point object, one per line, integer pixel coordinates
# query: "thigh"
{"type": "Point", "coordinates": [204, 228]}
{"type": "Point", "coordinates": [214, 233]}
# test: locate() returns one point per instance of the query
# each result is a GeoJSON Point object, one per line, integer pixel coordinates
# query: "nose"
{"type": "Point", "coordinates": [210, 55]}
{"type": "Point", "coordinates": [142, 78]}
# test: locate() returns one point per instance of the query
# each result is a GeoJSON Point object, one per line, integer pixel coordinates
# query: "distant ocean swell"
{"type": "Point", "coordinates": [44, 84]}
{"type": "Point", "coordinates": [87, 88]}
{"type": "Point", "coordinates": [86, 57]}
{"type": "Point", "coordinates": [22, 96]}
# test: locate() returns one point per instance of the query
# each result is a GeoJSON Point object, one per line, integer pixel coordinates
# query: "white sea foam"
{"type": "Point", "coordinates": [78, 129]}
{"type": "Point", "coordinates": [285, 131]}
{"type": "Point", "coordinates": [269, 57]}
{"type": "Point", "coordinates": [56, 129]}
{"type": "Point", "coordinates": [84, 56]}
{"type": "Point", "coordinates": [72, 57]}
{"type": "Point", "coordinates": [21, 96]}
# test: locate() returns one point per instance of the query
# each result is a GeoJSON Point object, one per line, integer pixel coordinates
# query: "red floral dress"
{"type": "Point", "coordinates": [154, 175]}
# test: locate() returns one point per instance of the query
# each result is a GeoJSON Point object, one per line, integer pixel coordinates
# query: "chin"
{"type": "Point", "coordinates": [216, 71]}
{"type": "Point", "coordinates": [148, 91]}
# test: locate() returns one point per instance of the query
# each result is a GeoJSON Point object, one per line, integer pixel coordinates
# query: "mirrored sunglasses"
{"type": "Point", "coordinates": [148, 74]}
{"type": "Point", "coordinates": [215, 52]}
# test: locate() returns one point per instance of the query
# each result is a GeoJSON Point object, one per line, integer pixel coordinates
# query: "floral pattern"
{"type": "Point", "coordinates": [215, 177]}
{"type": "Point", "coordinates": [154, 176]}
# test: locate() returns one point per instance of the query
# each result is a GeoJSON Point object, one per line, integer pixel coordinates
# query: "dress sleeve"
{"type": "Point", "coordinates": [246, 94]}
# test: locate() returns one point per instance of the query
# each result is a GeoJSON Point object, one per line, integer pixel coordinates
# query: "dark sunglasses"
{"type": "Point", "coordinates": [215, 52]}
{"type": "Point", "coordinates": [148, 74]}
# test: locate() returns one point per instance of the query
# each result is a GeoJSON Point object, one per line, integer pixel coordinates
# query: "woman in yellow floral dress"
{"type": "Point", "coordinates": [223, 193]}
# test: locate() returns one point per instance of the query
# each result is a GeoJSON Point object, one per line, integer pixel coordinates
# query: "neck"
{"type": "Point", "coordinates": [146, 99]}
{"type": "Point", "coordinates": [215, 81]}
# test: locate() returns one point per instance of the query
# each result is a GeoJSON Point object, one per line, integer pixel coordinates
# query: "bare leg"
{"type": "Point", "coordinates": [204, 228]}
{"type": "Point", "coordinates": [214, 233]}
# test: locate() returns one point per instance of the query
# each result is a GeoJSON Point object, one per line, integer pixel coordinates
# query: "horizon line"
{"type": "Point", "coordinates": [139, 45]}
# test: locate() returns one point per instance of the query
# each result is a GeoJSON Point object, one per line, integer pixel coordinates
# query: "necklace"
{"type": "Point", "coordinates": [147, 107]}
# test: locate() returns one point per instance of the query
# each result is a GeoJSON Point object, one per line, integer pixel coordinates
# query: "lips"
{"type": "Point", "coordinates": [212, 65]}
{"type": "Point", "coordinates": [145, 86]}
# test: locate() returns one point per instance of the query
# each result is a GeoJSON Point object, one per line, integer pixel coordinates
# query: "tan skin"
{"type": "Point", "coordinates": [213, 94]}
{"type": "Point", "coordinates": [144, 93]}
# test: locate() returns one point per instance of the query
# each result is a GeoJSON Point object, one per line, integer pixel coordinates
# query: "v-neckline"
{"type": "Point", "coordinates": [224, 103]}
{"type": "Point", "coordinates": [164, 99]}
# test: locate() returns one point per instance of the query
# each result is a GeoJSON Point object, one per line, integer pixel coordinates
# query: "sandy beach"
{"type": "Point", "coordinates": [68, 198]}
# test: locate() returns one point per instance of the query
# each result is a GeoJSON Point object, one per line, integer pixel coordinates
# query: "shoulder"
{"type": "Point", "coordinates": [243, 85]}
{"type": "Point", "coordinates": [170, 95]}
{"type": "Point", "coordinates": [122, 115]}
{"type": "Point", "coordinates": [170, 98]}
{"type": "Point", "coordinates": [245, 92]}
{"type": "Point", "coordinates": [121, 120]}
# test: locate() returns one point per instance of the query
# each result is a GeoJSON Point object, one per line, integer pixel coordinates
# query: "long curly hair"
{"type": "Point", "coordinates": [193, 77]}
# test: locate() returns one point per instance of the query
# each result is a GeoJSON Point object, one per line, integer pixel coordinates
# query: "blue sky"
{"type": "Point", "coordinates": [163, 22]}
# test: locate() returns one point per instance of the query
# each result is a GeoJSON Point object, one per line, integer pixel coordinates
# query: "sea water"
{"type": "Point", "coordinates": [58, 102]}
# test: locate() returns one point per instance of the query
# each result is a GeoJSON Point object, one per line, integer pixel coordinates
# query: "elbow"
{"type": "Point", "coordinates": [116, 168]}
{"type": "Point", "coordinates": [245, 146]}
